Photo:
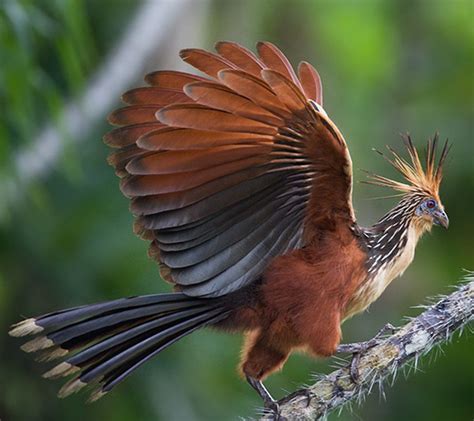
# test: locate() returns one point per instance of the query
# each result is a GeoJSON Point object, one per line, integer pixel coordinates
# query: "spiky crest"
{"type": "Point", "coordinates": [420, 180]}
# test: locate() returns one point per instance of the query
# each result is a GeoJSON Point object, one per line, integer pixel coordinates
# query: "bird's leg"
{"type": "Point", "coordinates": [357, 348]}
{"type": "Point", "coordinates": [268, 401]}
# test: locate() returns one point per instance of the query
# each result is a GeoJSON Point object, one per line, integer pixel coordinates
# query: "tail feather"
{"type": "Point", "coordinates": [61, 318]}
{"type": "Point", "coordinates": [110, 340]}
{"type": "Point", "coordinates": [115, 377]}
{"type": "Point", "coordinates": [105, 322]}
{"type": "Point", "coordinates": [134, 333]}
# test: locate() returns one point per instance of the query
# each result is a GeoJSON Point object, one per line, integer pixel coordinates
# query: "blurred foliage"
{"type": "Point", "coordinates": [388, 67]}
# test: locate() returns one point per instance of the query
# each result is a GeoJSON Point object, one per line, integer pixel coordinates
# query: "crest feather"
{"type": "Point", "coordinates": [425, 180]}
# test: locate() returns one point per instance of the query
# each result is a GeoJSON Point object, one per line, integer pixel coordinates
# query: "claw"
{"type": "Point", "coordinates": [358, 348]}
{"type": "Point", "coordinates": [308, 395]}
{"type": "Point", "coordinates": [274, 408]}
{"type": "Point", "coordinates": [354, 368]}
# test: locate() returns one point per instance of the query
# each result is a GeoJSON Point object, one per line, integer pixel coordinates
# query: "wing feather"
{"type": "Point", "coordinates": [205, 61]}
{"type": "Point", "coordinates": [228, 257]}
{"type": "Point", "coordinates": [276, 60]}
{"type": "Point", "coordinates": [244, 59]}
{"type": "Point", "coordinates": [311, 82]}
{"type": "Point", "coordinates": [176, 138]}
{"type": "Point", "coordinates": [154, 95]}
{"type": "Point", "coordinates": [169, 162]}
{"type": "Point", "coordinates": [120, 159]}
{"type": "Point", "coordinates": [288, 93]}
{"type": "Point", "coordinates": [222, 98]}
{"type": "Point", "coordinates": [143, 185]}
{"type": "Point", "coordinates": [225, 174]}
{"type": "Point", "coordinates": [133, 114]}
{"type": "Point", "coordinates": [154, 204]}
{"type": "Point", "coordinates": [196, 212]}
{"type": "Point", "coordinates": [201, 117]}
{"type": "Point", "coordinates": [256, 263]}
{"type": "Point", "coordinates": [171, 79]}
{"type": "Point", "coordinates": [255, 89]}
{"type": "Point", "coordinates": [215, 222]}
{"type": "Point", "coordinates": [129, 135]}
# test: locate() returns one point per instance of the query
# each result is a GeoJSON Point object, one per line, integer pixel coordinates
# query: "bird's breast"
{"type": "Point", "coordinates": [376, 282]}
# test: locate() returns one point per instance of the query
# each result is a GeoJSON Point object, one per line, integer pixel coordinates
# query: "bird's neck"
{"type": "Point", "coordinates": [390, 245]}
{"type": "Point", "coordinates": [387, 240]}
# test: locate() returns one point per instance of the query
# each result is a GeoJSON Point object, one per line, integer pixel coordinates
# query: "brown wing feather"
{"type": "Point", "coordinates": [205, 61]}
{"type": "Point", "coordinates": [311, 82]}
{"type": "Point", "coordinates": [177, 138]}
{"type": "Point", "coordinates": [244, 59]}
{"type": "Point", "coordinates": [154, 204]}
{"type": "Point", "coordinates": [143, 185]}
{"type": "Point", "coordinates": [288, 93]}
{"type": "Point", "coordinates": [122, 157]}
{"type": "Point", "coordinates": [276, 60]}
{"type": "Point", "coordinates": [171, 79]}
{"type": "Point", "coordinates": [222, 98]}
{"type": "Point", "coordinates": [133, 114]}
{"type": "Point", "coordinates": [184, 161]}
{"type": "Point", "coordinates": [226, 174]}
{"type": "Point", "coordinates": [154, 95]}
{"type": "Point", "coordinates": [201, 117]}
{"type": "Point", "coordinates": [254, 89]}
{"type": "Point", "coordinates": [128, 135]}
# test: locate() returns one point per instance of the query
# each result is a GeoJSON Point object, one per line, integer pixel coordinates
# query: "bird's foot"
{"type": "Point", "coordinates": [308, 395]}
{"type": "Point", "coordinates": [358, 348]}
{"type": "Point", "coordinates": [269, 404]}
{"type": "Point", "coordinates": [303, 393]}
{"type": "Point", "coordinates": [272, 407]}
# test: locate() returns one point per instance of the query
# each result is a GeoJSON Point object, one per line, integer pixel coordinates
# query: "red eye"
{"type": "Point", "coordinates": [431, 204]}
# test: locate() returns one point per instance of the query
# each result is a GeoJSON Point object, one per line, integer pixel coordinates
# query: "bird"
{"type": "Point", "coordinates": [242, 185]}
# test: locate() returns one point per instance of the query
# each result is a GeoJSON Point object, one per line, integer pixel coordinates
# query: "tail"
{"type": "Point", "coordinates": [105, 342]}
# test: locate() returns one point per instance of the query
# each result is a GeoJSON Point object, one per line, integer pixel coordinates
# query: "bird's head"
{"type": "Point", "coordinates": [430, 211]}
{"type": "Point", "coordinates": [421, 193]}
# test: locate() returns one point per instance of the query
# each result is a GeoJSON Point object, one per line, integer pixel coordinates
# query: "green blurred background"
{"type": "Point", "coordinates": [65, 230]}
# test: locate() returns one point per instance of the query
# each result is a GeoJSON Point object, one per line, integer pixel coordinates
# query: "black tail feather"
{"type": "Point", "coordinates": [124, 366]}
{"type": "Point", "coordinates": [128, 336]}
{"type": "Point", "coordinates": [69, 316]}
{"type": "Point", "coordinates": [115, 377]}
{"type": "Point", "coordinates": [110, 340]}
{"type": "Point", "coordinates": [84, 328]}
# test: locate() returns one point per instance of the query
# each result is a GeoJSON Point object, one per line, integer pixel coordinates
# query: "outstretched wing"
{"type": "Point", "coordinates": [227, 172]}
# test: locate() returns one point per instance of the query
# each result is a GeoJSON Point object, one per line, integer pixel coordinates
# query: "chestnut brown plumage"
{"type": "Point", "coordinates": [242, 185]}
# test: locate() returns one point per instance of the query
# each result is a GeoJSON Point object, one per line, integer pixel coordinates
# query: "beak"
{"type": "Point", "coordinates": [440, 218]}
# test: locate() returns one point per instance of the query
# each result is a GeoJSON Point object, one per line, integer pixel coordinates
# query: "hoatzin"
{"type": "Point", "coordinates": [242, 185]}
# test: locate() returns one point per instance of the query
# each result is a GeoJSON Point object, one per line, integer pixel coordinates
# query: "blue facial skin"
{"type": "Point", "coordinates": [431, 208]}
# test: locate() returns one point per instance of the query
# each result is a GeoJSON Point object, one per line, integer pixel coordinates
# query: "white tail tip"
{"type": "Point", "coordinates": [61, 370]}
{"type": "Point", "coordinates": [26, 327]}
{"type": "Point", "coordinates": [71, 387]}
{"type": "Point", "coordinates": [36, 344]}
{"type": "Point", "coordinates": [95, 396]}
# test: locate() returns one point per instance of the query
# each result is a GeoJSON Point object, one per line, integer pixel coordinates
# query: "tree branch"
{"type": "Point", "coordinates": [433, 327]}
